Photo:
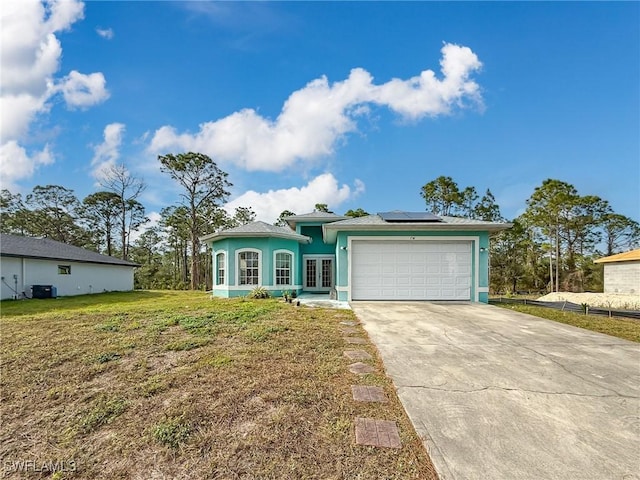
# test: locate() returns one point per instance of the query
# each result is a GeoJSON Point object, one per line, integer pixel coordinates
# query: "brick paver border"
{"type": "Point", "coordinates": [361, 368]}
{"type": "Point", "coordinates": [349, 330]}
{"type": "Point", "coordinates": [357, 355]}
{"type": "Point", "coordinates": [378, 433]}
{"type": "Point", "coordinates": [349, 323]}
{"type": "Point", "coordinates": [355, 340]}
{"type": "Point", "coordinates": [368, 393]}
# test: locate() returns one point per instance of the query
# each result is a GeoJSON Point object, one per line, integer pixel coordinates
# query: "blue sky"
{"type": "Point", "coordinates": [330, 102]}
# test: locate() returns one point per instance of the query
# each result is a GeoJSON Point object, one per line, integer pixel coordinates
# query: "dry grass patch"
{"type": "Point", "coordinates": [177, 385]}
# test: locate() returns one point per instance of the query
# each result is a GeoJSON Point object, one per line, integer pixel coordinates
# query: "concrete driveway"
{"type": "Point", "coordinates": [497, 394]}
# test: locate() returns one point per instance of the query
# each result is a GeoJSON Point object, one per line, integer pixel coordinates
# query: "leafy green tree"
{"type": "Point", "coordinates": [100, 211]}
{"type": "Point", "coordinates": [487, 209]}
{"type": "Point", "coordinates": [14, 216]}
{"type": "Point", "coordinates": [322, 207]}
{"type": "Point", "coordinates": [242, 216]}
{"type": "Point", "coordinates": [54, 212]}
{"type": "Point", "coordinates": [281, 222]}
{"type": "Point", "coordinates": [135, 218]}
{"type": "Point", "coordinates": [356, 213]}
{"type": "Point", "coordinates": [546, 210]}
{"type": "Point", "coordinates": [174, 221]}
{"type": "Point", "coordinates": [443, 197]}
{"type": "Point", "coordinates": [508, 249]}
{"type": "Point", "coordinates": [571, 225]}
{"type": "Point", "coordinates": [621, 233]}
{"type": "Point", "coordinates": [149, 251]}
{"type": "Point", "coordinates": [579, 232]}
{"type": "Point", "coordinates": [205, 186]}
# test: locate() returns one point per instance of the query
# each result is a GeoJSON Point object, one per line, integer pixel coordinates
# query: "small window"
{"type": "Point", "coordinates": [64, 269]}
{"type": "Point", "coordinates": [249, 267]}
{"type": "Point", "coordinates": [283, 268]}
{"type": "Point", "coordinates": [220, 269]}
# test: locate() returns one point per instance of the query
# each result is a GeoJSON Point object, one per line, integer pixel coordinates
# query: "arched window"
{"type": "Point", "coordinates": [220, 269]}
{"type": "Point", "coordinates": [249, 267]}
{"type": "Point", "coordinates": [283, 264]}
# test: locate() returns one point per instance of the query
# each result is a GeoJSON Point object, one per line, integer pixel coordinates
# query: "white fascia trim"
{"type": "Point", "coordinates": [474, 239]}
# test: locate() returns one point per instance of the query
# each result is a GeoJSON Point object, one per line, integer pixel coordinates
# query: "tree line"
{"type": "Point", "coordinates": [112, 221]}
{"type": "Point", "coordinates": [551, 246]}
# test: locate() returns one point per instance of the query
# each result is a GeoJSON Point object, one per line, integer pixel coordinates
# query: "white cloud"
{"type": "Point", "coordinates": [107, 153]}
{"type": "Point", "coordinates": [322, 189]}
{"type": "Point", "coordinates": [17, 164]}
{"type": "Point", "coordinates": [105, 33]}
{"type": "Point", "coordinates": [82, 91]}
{"type": "Point", "coordinates": [316, 117]}
{"type": "Point", "coordinates": [30, 53]}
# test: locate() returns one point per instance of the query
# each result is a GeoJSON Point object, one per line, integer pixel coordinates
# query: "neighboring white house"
{"type": "Point", "coordinates": [28, 261]}
{"type": "Point", "coordinates": [622, 272]}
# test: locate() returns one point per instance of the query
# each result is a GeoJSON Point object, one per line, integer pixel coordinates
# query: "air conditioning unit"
{"type": "Point", "coordinates": [43, 291]}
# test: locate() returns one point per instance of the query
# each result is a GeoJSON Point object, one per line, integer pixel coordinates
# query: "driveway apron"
{"type": "Point", "coordinates": [496, 394]}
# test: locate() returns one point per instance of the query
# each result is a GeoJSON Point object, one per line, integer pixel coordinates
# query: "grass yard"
{"type": "Point", "coordinates": [176, 385]}
{"type": "Point", "coordinates": [626, 328]}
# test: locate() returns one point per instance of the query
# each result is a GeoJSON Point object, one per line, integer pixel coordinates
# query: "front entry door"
{"type": "Point", "coordinates": [318, 273]}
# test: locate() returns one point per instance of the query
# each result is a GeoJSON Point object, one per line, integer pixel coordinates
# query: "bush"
{"type": "Point", "coordinates": [259, 292]}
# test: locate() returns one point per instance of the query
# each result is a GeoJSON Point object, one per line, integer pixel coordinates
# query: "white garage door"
{"type": "Point", "coordinates": [410, 270]}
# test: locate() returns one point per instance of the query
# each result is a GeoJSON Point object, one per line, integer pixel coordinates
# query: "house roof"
{"type": "Point", "coordinates": [630, 256]}
{"type": "Point", "coordinates": [256, 229]}
{"type": "Point", "coordinates": [46, 249]}
{"type": "Point", "coordinates": [313, 217]}
{"type": "Point", "coordinates": [375, 222]}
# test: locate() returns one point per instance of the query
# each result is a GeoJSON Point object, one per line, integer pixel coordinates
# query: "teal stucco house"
{"type": "Point", "coordinates": [389, 256]}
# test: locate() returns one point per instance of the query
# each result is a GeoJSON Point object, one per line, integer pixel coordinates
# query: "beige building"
{"type": "Point", "coordinates": [622, 272]}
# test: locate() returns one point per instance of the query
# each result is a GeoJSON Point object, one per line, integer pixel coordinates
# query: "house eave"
{"type": "Point", "coordinates": [330, 231]}
{"type": "Point", "coordinates": [214, 237]}
{"type": "Point", "coordinates": [64, 259]}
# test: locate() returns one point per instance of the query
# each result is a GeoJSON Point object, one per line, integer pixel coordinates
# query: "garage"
{"type": "Point", "coordinates": [410, 270]}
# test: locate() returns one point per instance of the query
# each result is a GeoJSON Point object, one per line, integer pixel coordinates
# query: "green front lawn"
{"type": "Point", "coordinates": [178, 385]}
{"type": "Point", "coordinates": [626, 328]}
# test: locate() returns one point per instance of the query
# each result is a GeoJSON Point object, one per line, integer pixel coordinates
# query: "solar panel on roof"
{"type": "Point", "coordinates": [398, 216]}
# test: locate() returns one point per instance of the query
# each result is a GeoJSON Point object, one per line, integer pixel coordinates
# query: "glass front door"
{"type": "Point", "coordinates": [318, 276]}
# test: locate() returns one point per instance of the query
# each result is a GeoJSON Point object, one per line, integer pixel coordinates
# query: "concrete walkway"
{"type": "Point", "coordinates": [321, 300]}
{"type": "Point", "coordinates": [499, 395]}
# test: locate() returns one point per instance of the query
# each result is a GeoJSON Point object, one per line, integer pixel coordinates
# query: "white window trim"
{"type": "Point", "coordinates": [237, 258]}
{"type": "Point", "coordinates": [225, 264]}
{"type": "Point", "coordinates": [292, 268]}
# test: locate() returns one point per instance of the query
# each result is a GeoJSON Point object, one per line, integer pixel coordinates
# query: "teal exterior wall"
{"type": "Point", "coordinates": [479, 241]}
{"type": "Point", "coordinates": [266, 248]}
{"type": "Point", "coordinates": [317, 245]}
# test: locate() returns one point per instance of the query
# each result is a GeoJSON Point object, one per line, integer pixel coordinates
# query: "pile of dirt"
{"type": "Point", "coordinates": [605, 300]}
